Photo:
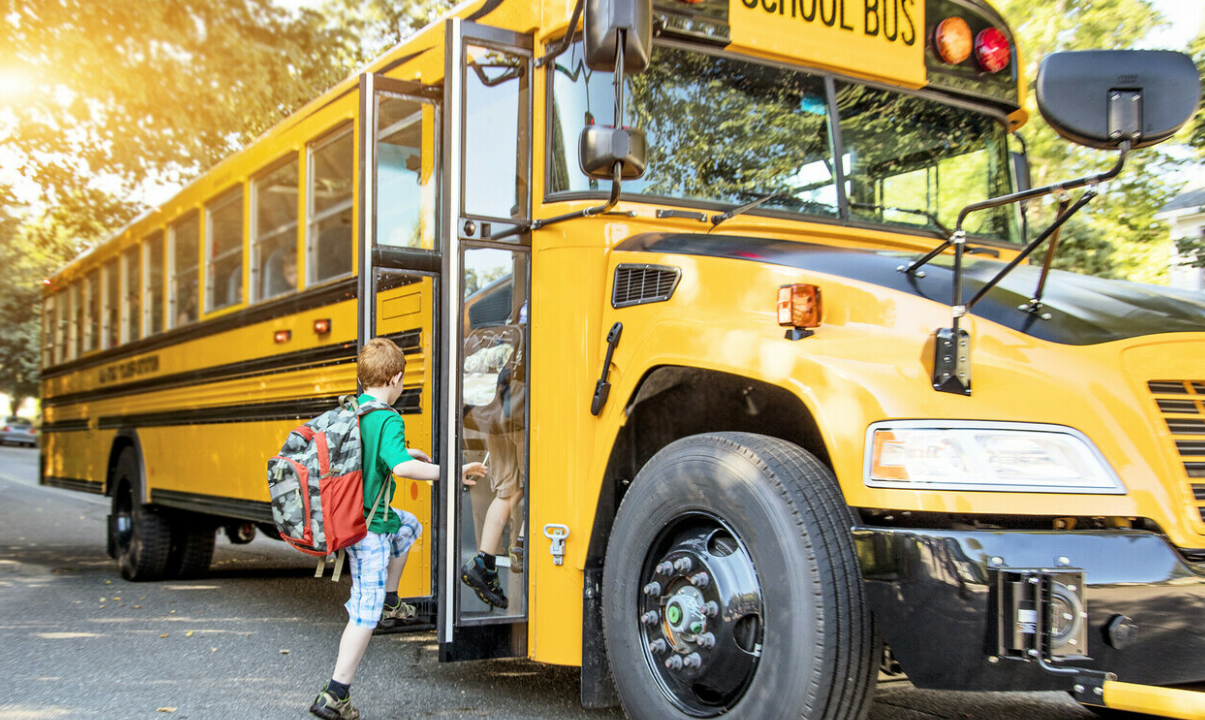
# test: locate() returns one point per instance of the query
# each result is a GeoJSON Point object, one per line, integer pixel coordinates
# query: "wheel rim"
{"type": "Point", "coordinates": [124, 523]}
{"type": "Point", "coordinates": [700, 614]}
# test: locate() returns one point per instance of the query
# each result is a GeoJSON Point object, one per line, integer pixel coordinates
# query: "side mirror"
{"type": "Point", "coordinates": [614, 26]}
{"type": "Point", "coordinates": [599, 148]}
{"type": "Point", "coordinates": [1102, 98]}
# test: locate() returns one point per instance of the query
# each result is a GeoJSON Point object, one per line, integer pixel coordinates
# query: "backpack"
{"type": "Point", "coordinates": [316, 482]}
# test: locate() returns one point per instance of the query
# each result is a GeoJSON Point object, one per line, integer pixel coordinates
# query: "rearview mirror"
{"type": "Point", "coordinates": [1102, 98]}
{"type": "Point", "coordinates": [608, 23]}
{"type": "Point", "coordinates": [599, 148]}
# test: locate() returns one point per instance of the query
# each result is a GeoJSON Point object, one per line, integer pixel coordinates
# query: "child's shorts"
{"type": "Point", "coordinates": [370, 566]}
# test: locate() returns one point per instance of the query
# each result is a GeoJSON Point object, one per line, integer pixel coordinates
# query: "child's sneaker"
{"type": "Point", "coordinates": [516, 556]}
{"type": "Point", "coordinates": [484, 582]}
{"type": "Point", "coordinates": [402, 613]}
{"type": "Point", "coordinates": [329, 707]}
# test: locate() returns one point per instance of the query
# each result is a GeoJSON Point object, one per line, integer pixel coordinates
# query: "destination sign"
{"type": "Point", "coordinates": [879, 39]}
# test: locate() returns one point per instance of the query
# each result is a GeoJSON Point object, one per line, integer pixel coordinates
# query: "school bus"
{"type": "Point", "coordinates": [736, 292]}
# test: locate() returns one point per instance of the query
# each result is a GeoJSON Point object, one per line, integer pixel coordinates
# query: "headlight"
{"type": "Point", "coordinates": [988, 457]}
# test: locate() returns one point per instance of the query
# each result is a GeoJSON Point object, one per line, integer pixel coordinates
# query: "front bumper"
{"type": "Point", "coordinates": [935, 598]}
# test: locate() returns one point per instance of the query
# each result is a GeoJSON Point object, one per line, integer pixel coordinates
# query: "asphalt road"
{"type": "Point", "coordinates": [257, 637]}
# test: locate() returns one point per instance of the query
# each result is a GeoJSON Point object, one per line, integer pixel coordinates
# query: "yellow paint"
{"type": "Point", "coordinates": [1164, 702]}
{"type": "Point", "coordinates": [880, 39]}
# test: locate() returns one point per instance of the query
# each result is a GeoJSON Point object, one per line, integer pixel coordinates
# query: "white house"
{"type": "Point", "coordinates": [1186, 215]}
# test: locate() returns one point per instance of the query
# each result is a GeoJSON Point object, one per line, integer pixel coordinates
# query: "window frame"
{"type": "Point", "coordinates": [313, 218]}
{"type": "Point", "coordinates": [147, 306]}
{"type": "Point", "coordinates": [256, 241]}
{"type": "Point", "coordinates": [110, 284]}
{"type": "Point", "coordinates": [48, 317]}
{"type": "Point", "coordinates": [172, 275]}
{"type": "Point", "coordinates": [235, 196]}
{"type": "Point", "coordinates": [130, 295]}
{"type": "Point", "coordinates": [91, 335]}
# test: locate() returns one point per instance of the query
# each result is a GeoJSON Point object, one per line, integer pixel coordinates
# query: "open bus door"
{"type": "Point", "coordinates": [487, 168]}
{"type": "Point", "coordinates": [400, 254]}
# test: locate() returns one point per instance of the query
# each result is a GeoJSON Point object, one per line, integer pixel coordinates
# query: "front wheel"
{"type": "Point", "coordinates": [731, 586]}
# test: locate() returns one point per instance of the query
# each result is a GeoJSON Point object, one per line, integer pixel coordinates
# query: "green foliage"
{"type": "Point", "coordinates": [1118, 234]}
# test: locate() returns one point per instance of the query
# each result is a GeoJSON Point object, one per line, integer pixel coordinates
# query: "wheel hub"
{"type": "Point", "coordinates": [700, 616]}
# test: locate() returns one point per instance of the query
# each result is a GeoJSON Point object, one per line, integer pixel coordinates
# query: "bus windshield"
{"type": "Point", "coordinates": [727, 130]}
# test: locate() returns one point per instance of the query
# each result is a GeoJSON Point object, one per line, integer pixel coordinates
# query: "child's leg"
{"type": "Point", "coordinates": [396, 566]}
{"type": "Point", "coordinates": [351, 651]}
{"type": "Point", "coordinates": [495, 522]}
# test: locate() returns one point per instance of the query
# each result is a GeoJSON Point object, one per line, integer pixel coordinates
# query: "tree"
{"type": "Point", "coordinates": [1118, 233]}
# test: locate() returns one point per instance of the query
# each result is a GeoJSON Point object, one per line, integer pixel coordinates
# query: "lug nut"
{"type": "Point", "coordinates": [683, 565]}
{"type": "Point", "coordinates": [706, 640]}
{"type": "Point", "coordinates": [657, 646]}
{"type": "Point", "coordinates": [711, 609]}
{"type": "Point", "coordinates": [692, 660]}
{"type": "Point", "coordinates": [650, 618]}
{"type": "Point", "coordinates": [653, 588]}
{"type": "Point", "coordinates": [696, 627]}
{"type": "Point", "coordinates": [674, 662]}
{"type": "Point", "coordinates": [665, 568]}
{"type": "Point", "coordinates": [700, 580]}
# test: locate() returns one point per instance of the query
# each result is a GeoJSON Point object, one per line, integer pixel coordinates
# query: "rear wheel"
{"type": "Point", "coordinates": [731, 586]}
{"type": "Point", "coordinates": [192, 546]}
{"type": "Point", "coordinates": [139, 535]}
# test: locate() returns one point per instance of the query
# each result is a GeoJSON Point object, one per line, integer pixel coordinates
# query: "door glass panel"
{"type": "Point", "coordinates": [496, 134]}
{"type": "Point", "coordinates": [406, 178]}
{"type": "Point", "coordinates": [493, 399]}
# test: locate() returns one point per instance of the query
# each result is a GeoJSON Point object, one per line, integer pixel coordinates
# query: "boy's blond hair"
{"type": "Point", "coordinates": [378, 362]}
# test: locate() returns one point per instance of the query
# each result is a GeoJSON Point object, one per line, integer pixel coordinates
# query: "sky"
{"type": "Point", "coordinates": [1185, 18]}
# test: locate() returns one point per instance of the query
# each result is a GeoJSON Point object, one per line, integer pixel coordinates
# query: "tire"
{"type": "Point", "coordinates": [192, 546]}
{"type": "Point", "coordinates": [139, 535]}
{"type": "Point", "coordinates": [782, 607]}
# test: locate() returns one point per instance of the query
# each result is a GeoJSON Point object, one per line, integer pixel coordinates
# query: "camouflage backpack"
{"type": "Point", "coordinates": [316, 482]}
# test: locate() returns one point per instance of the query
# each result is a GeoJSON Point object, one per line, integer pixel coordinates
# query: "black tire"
{"type": "Point", "coordinates": [192, 546]}
{"type": "Point", "coordinates": [140, 536]}
{"type": "Point", "coordinates": [815, 656]}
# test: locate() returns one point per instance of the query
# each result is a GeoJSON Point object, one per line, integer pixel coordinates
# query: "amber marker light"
{"type": "Point", "coordinates": [886, 463]}
{"type": "Point", "coordinates": [992, 50]}
{"type": "Point", "coordinates": [282, 336]}
{"type": "Point", "coordinates": [799, 308]}
{"type": "Point", "coordinates": [322, 326]}
{"type": "Point", "coordinates": [952, 40]}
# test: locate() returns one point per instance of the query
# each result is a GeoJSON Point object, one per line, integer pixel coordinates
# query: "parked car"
{"type": "Point", "coordinates": [18, 431]}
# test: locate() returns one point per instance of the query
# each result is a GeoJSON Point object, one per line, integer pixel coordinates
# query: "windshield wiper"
{"type": "Point", "coordinates": [923, 213]}
{"type": "Point", "coordinates": [729, 214]}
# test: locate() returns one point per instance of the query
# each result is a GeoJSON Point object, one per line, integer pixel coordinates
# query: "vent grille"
{"type": "Point", "coordinates": [1182, 405]}
{"type": "Point", "coordinates": [640, 284]}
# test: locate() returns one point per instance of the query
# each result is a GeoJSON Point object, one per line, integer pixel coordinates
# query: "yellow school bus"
{"type": "Point", "coordinates": [737, 293]}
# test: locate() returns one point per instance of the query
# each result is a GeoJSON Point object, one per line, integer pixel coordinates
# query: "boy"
{"type": "Point", "coordinates": [377, 561]}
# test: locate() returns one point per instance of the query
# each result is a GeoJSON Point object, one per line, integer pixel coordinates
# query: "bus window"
{"type": "Point", "coordinates": [184, 300]}
{"type": "Point", "coordinates": [908, 158]}
{"type": "Point", "coordinates": [60, 326]}
{"type": "Point", "coordinates": [110, 325]}
{"type": "Point", "coordinates": [495, 174]}
{"type": "Point", "coordinates": [152, 292]}
{"type": "Point", "coordinates": [75, 322]}
{"type": "Point", "coordinates": [274, 223]}
{"type": "Point", "coordinates": [224, 251]}
{"type": "Point", "coordinates": [91, 312]}
{"type": "Point", "coordinates": [48, 318]}
{"type": "Point", "coordinates": [328, 237]}
{"type": "Point", "coordinates": [130, 287]}
{"type": "Point", "coordinates": [405, 178]}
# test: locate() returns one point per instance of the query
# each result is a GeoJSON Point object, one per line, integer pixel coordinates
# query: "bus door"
{"type": "Point", "coordinates": [487, 207]}
{"type": "Point", "coordinates": [400, 255]}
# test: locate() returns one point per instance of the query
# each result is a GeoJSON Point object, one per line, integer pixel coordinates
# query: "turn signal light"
{"type": "Point", "coordinates": [322, 326]}
{"type": "Point", "coordinates": [799, 306]}
{"type": "Point", "coordinates": [952, 40]}
{"type": "Point", "coordinates": [282, 336]}
{"type": "Point", "coordinates": [992, 50]}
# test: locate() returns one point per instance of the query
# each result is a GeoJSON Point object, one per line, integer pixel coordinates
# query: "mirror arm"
{"type": "Point", "coordinates": [1057, 188]}
{"type": "Point", "coordinates": [1035, 303]}
{"type": "Point", "coordinates": [588, 212]}
{"type": "Point", "coordinates": [565, 41]}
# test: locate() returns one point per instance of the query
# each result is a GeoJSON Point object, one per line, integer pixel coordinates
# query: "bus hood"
{"type": "Point", "coordinates": [1076, 309]}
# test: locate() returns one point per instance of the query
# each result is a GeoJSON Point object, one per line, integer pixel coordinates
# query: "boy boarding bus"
{"type": "Point", "coordinates": [736, 293]}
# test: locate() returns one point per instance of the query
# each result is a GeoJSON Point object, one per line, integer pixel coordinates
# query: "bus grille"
{"type": "Point", "coordinates": [1182, 404]}
{"type": "Point", "coordinates": [639, 284]}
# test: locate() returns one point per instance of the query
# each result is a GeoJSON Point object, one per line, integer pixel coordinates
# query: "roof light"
{"type": "Point", "coordinates": [952, 40]}
{"type": "Point", "coordinates": [992, 50]}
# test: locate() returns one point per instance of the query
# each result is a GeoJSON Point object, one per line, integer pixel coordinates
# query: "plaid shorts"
{"type": "Point", "coordinates": [370, 567]}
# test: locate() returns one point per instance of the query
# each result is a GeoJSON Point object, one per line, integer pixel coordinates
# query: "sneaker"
{"type": "Point", "coordinates": [329, 707]}
{"type": "Point", "coordinates": [402, 613]}
{"type": "Point", "coordinates": [484, 582]}
{"type": "Point", "coordinates": [516, 557]}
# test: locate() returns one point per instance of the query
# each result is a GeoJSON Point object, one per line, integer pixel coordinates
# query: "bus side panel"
{"type": "Point", "coordinates": [76, 459]}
